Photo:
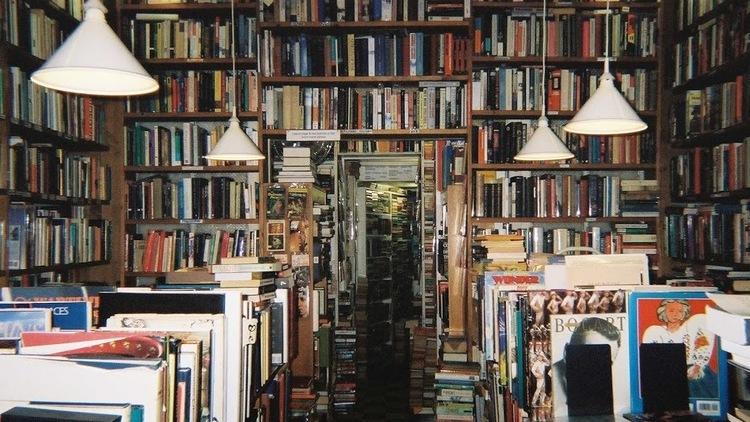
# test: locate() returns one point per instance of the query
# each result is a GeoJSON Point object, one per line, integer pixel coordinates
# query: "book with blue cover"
{"type": "Point", "coordinates": [680, 317]}
{"type": "Point", "coordinates": [65, 315]}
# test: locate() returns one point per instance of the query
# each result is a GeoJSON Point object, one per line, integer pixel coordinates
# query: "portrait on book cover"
{"type": "Point", "coordinates": [610, 329]}
{"type": "Point", "coordinates": [683, 320]}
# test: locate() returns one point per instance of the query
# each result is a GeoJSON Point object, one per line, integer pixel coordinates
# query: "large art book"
{"type": "Point", "coordinates": [539, 344]}
{"type": "Point", "coordinates": [610, 329]}
{"type": "Point", "coordinates": [680, 317]}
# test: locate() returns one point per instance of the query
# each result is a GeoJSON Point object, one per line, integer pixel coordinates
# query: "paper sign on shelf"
{"type": "Point", "coordinates": [313, 135]}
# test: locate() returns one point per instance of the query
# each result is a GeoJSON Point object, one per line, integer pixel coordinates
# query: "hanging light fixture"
{"type": "Point", "coordinates": [234, 144]}
{"type": "Point", "coordinates": [93, 61]}
{"type": "Point", "coordinates": [606, 112]}
{"type": "Point", "coordinates": [544, 145]}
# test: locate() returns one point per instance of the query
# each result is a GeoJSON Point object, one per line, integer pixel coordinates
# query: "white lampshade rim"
{"type": "Point", "coordinates": [543, 157]}
{"type": "Point", "coordinates": [234, 157]}
{"type": "Point", "coordinates": [38, 77]}
{"type": "Point", "coordinates": [605, 126]}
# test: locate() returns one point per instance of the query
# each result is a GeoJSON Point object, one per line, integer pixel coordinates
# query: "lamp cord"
{"type": "Point", "coordinates": [234, 67]}
{"type": "Point", "coordinates": [606, 40]}
{"type": "Point", "coordinates": [544, 58]}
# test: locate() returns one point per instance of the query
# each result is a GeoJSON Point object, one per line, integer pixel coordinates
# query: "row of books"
{"type": "Point", "coordinates": [381, 145]}
{"type": "Point", "coordinates": [31, 29]}
{"type": "Point", "coordinates": [185, 145]}
{"type": "Point", "coordinates": [510, 88]}
{"type": "Point", "coordinates": [360, 10]}
{"type": "Point", "coordinates": [383, 54]}
{"type": "Point", "coordinates": [192, 198]}
{"type": "Point", "coordinates": [497, 142]}
{"type": "Point", "coordinates": [195, 91]}
{"type": "Point", "coordinates": [717, 233]}
{"type": "Point", "coordinates": [40, 238]}
{"type": "Point", "coordinates": [71, 115]}
{"type": "Point", "coordinates": [170, 37]}
{"type": "Point", "coordinates": [689, 10]}
{"type": "Point", "coordinates": [570, 33]}
{"type": "Point", "coordinates": [701, 171]}
{"type": "Point", "coordinates": [183, 365]}
{"type": "Point", "coordinates": [711, 108]}
{"type": "Point", "coordinates": [437, 106]}
{"type": "Point", "coordinates": [530, 329]}
{"type": "Point", "coordinates": [620, 238]}
{"type": "Point", "coordinates": [454, 389]}
{"type": "Point", "coordinates": [164, 251]}
{"type": "Point", "coordinates": [717, 42]}
{"type": "Point", "coordinates": [513, 194]}
{"type": "Point", "coordinates": [422, 368]}
{"type": "Point", "coordinates": [40, 169]}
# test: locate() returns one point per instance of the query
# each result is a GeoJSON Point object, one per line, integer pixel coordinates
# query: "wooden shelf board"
{"type": "Point", "coordinates": [712, 138]}
{"type": "Point", "coordinates": [718, 74]}
{"type": "Point", "coordinates": [361, 79]}
{"type": "Point", "coordinates": [144, 274]}
{"type": "Point", "coordinates": [558, 61]}
{"type": "Point", "coordinates": [365, 26]}
{"type": "Point", "coordinates": [522, 114]}
{"type": "Point", "coordinates": [198, 115]}
{"type": "Point", "coordinates": [190, 169]}
{"type": "Point", "coordinates": [42, 198]}
{"type": "Point", "coordinates": [188, 7]}
{"type": "Point", "coordinates": [489, 220]}
{"type": "Point", "coordinates": [561, 5]}
{"type": "Point", "coordinates": [17, 56]}
{"type": "Point", "coordinates": [355, 133]}
{"type": "Point", "coordinates": [198, 62]}
{"type": "Point", "coordinates": [192, 221]}
{"type": "Point", "coordinates": [36, 135]}
{"type": "Point", "coordinates": [685, 262]}
{"type": "Point", "coordinates": [56, 268]}
{"type": "Point", "coordinates": [563, 166]}
{"type": "Point", "coordinates": [732, 196]}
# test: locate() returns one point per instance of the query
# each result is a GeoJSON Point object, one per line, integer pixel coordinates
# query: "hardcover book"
{"type": "Point", "coordinates": [680, 317]}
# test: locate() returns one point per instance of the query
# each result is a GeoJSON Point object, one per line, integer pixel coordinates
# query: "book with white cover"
{"type": "Point", "coordinates": [50, 378]}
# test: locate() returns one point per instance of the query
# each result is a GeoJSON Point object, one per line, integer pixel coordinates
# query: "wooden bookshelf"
{"type": "Point", "coordinates": [132, 173]}
{"type": "Point", "coordinates": [563, 166]}
{"type": "Point", "coordinates": [38, 135]}
{"type": "Point", "coordinates": [360, 80]}
{"type": "Point", "coordinates": [564, 220]}
{"type": "Point", "coordinates": [725, 204]}
{"type": "Point", "coordinates": [534, 114]}
{"type": "Point", "coordinates": [365, 26]}
{"type": "Point", "coordinates": [387, 133]}
{"type": "Point", "coordinates": [564, 61]}
{"type": "Point", "coordinates": [590, 5]}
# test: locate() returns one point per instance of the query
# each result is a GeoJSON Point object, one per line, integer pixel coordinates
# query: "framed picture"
{"type": "Point", "coordinates": [276, 235]}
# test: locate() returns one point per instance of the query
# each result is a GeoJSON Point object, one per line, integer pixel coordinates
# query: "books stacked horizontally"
{"type": "Point", "coordinates": [422, 370]}
{"type": "Point", "coordinates": [255, 276]}
{"type": "Point", "coordinates": [503, 251]}
{"type": "Point", "coordinates": [454, 383]}
{"type": "Point", "coordinates": [639, 198]}
{"type": "Point", "coordinates": [344, 384]}
{"type": "Point", "coordinates": [730, 320]}
{"type": "Point", "coordinates": [296, 166]}
{"type": "Point", "coordinates": [639, 238]}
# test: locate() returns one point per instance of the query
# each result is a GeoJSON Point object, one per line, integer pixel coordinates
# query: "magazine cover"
{"type": "Point", "coordinates": [540, 306]}
{"type": "Point", "coordinates": [601, 328]}
{"type": "Point", "coordinates": [276, 207]}
{"type": "Point", "coordinates": [671, 317]}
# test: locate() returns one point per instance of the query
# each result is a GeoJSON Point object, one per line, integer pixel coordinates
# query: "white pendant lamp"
{"type": "Point", "coordinates": [93, 61]}
{"type": "Point", "coordinates": [606, 112]}
{"type": "Point", "coordinates": [234, 144]}
{"type": "Point", "coordinates": [544, 145]}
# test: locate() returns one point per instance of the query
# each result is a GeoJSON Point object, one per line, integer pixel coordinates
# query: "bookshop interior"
{"type": "Point", "coordinates": [374, 210]}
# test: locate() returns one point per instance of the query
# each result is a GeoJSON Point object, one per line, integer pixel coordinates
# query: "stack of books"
{"type": "Point", "coordinates": [345, 384]}
{"type": "Point", "coordinates": [296, 166]}
{"type": "Point", "coordinates": [639, 198]}
{"type": "Point", "coordinates": [422, 370]}
{"type": "Point", "coordinates": [255, 276]}
{"type": "Point", "coordinates": [501, 251]}
{"type": "Point", "coordinates": [454, 383]}
{"type": "Point", "coordinates": [729, 318]}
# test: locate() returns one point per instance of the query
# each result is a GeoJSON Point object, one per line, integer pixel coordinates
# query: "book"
{"type": "Point", "coordinates": [65, 315]}
{"type": "Point", "coordinates": [735, 328]}
{"type": "Point", "coordinates": [28, 414]}
{"type": "Point", "coordinates": [680, 317]}
{"type": "Point", "coordinates": [14, 322]}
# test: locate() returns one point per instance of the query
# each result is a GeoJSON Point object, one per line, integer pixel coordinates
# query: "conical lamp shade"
{"type": "Point", "coordinates": [543, 145]}
{"type": "Point", "coordinates": [606, 112]}
{"type": "Point", "coordinates": [93, 61]}
{"type": "Point", "coordinates": [235, 145]}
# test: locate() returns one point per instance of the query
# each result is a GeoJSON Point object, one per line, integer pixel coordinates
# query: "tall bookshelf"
{"type": "Point", "coordinates": [507, 54]}
{"type": "Point", "coordinates": [706, 218]}
{"type": "Point", "coordinates": [187, 47]}
{"type": "Point", "coordinates": [56, 159]}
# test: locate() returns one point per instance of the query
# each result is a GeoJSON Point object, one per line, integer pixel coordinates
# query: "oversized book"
{"type": "Point", "coordinates": [680, 317]}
